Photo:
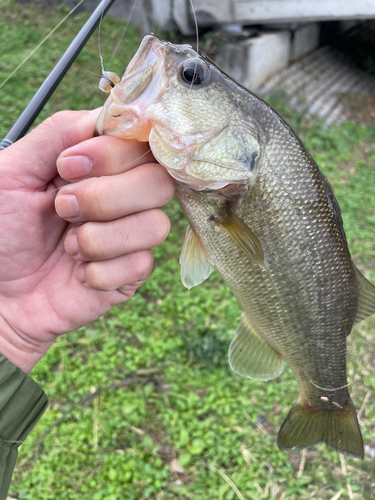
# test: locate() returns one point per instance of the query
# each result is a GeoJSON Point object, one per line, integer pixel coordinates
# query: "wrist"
{"type": "Point", "coordinates": [19, 350]}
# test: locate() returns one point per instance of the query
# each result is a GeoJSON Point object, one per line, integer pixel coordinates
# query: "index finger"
{"type": "Point", "coordinates": [101, 156]}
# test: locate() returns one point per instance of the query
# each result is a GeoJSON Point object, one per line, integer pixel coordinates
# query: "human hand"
{"type": "Point", "coordinates": [108, 223]}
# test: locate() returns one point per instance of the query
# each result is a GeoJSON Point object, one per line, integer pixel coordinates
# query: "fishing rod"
{"type": "Point", "coordinates": [45, 91]}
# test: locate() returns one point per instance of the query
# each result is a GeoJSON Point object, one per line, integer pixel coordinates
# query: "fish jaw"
{"type": "Point", "coordinates": [177, 160]}
{"type": "Point", "coordinates": [125, 113]}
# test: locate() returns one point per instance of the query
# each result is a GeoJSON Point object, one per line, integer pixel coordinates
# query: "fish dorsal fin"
{"type": "Point", "coordinates": [366, 298]}
{"type": "Point", "coordinates": [250, 356]}
{"type": "Point", "coordinates": [194, 263]}
{"type": "Point", "coordinates": [243, 237]}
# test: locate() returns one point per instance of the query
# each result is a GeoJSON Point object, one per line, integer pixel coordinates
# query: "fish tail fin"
{"type": "Point", "coordinates": [337, 428]}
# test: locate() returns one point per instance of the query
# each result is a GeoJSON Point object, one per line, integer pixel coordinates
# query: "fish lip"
{"type": "Point", "coordinates": [107, 123]}
{"type": "Point", "coordinates": [100, 128]}
{"type": "Point", "coordinates": [99, 124]}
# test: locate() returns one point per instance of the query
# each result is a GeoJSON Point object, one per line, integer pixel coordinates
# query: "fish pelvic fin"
{"type": "Point", "coordinates": [366, 298]}
{"type": "Point", "coordinates": [251, 356]}
{"type": "Point", "coordinates": [195, 266]}
{"type": "Point", "coordinates": [338, 429]}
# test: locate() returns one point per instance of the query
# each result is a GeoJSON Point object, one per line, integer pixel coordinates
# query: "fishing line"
{"type": "Point", "coordinates": [101, 59]}
{"type": "Point", "coordinates": [144, 154]}
{"type": "Point", "coordinates": [331, 389]}
{"type": "Point", "coordinates": [40, 44]}
{"type": "Point", "coordinates": [197, 35]}
{"type": "Point", "coordinates": [124, 31]}
{"type": "Point", "coordinates": [115, 49]}
{"type": "Point", "coordinates": [119, 40]}
{"type": "Point", "coordinates": [100, 54]}
{"type": "Point", "coordinates": [196, 24]}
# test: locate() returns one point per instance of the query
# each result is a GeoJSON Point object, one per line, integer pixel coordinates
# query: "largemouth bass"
{"type": "Point", "coordinates": [262, 213]}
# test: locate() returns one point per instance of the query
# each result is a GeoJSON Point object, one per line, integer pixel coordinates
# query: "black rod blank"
{"type": "Point", "coordinates": [45, 91]}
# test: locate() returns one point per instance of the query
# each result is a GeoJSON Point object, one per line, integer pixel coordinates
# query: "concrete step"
{"type": "Point", "coordinates": [317, 83]}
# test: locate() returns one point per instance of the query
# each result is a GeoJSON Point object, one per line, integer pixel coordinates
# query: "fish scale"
{"type": "Point", "coordinates": [262, 213]}
{"type": "Point", "coordinates": [271, 316]}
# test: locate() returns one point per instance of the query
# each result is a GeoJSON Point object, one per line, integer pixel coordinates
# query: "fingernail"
{"type": "Point", "coordinates": [67, 206]}
{"type": "Point", "coordinates": [71, 244]}
{"type": "Point", "coordinates": [80, 274]}
{"type": "Point", "coordinates": [74, 167]}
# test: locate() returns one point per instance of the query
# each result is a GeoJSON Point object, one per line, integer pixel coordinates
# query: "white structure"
{"type": "Point", "coordinates": [295, 29]}
{"type": "Point", "coordinates": [274, 11]}
{"type": "Point", "coordinates": [255, 60]}
{"type": "Point", "coordinates": [247, 12]}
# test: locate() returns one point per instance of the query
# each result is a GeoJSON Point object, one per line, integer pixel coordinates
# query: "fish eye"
{"type": "Point", "coordinates": [192, 72]}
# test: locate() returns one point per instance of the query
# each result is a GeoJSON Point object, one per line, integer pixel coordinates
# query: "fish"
{"type": "Point", "coordinates": [261, 212]}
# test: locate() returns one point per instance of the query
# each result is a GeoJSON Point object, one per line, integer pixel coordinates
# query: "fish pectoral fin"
{"type": "Point", "coordinates": [195, 266]}
{"type": "Point", "coordinates": [366, 298]}
{"type": "Point", "coordinates": [338, 429]}
{"type": "Point", "coordinates": [251, 356]}
{"type": "Point", "coordinates": [243, 237]}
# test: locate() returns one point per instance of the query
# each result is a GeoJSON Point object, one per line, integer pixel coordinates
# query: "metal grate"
{"type": "Point", "coordinates": [327, 81]}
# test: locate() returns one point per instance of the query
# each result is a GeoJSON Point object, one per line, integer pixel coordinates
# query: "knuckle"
{"type": "Point", "coordinates": [57, 126]}
{"type": "Point", "coordinates": [49, 125]}
{"type": "Point", "coordinates": [88, 244]}
{"type": "Point", "coordinates": [141, 264]}
{"type": "Point", "coordinates": [159, 225]}
{"type": "Point", "coordinates": [127, 292]}
{"type": "Point", "coordinates": [91, 203]}
{"type": "Point", "coordinates": [95, 278]}
{"type": "Point", "coordinates": [54, 123]}
{"type": "Point", "coordinates": [55, 120]}
{"type": "Point", "coordinates": [156, 177]}
{"type": "Point", "coordinates": [166, 186]}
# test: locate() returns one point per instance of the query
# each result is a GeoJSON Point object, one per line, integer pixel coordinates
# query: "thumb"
{"type": "Point", "coordinates": [31, 162]}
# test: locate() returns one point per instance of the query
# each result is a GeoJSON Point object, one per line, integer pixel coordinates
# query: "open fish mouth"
{"type": "Point", "coordinates": [151, 48]}
{"type": "Point", "coordinates": [124, 113]}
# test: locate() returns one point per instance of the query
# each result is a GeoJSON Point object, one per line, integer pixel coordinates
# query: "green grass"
{"type": "Point", "coordinates": [185, 402]}
{"type": "Point", "coordinates": [22, 27]}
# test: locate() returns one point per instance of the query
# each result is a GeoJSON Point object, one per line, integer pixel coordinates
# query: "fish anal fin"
{"type": "Point", "coordinates": [195, 266]}
{"type": "Point", "coordinates": [338, 429]}
{"type": "Point", "coordinates": [250, 356]}
{"type": "Point", "coordinates": [366, 298]}
{"type": "Point", "coordinates": [242, 235]}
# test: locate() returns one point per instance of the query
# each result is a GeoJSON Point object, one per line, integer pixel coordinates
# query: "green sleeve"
{"type": "Point", "coordinates": [22, 403]}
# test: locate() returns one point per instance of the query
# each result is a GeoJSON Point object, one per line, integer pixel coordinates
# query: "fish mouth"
{"type": "Point", "coordinates": [124, 115]}
{"type": "Point", "coordinates": [151, 48]}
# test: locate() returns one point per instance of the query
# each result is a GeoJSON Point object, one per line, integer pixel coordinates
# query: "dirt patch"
{"type": "Point", "coordinates": [358, 108]}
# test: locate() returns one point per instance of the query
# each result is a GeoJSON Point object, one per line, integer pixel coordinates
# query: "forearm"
{"type": "Point", "coordinates": [22, 403]}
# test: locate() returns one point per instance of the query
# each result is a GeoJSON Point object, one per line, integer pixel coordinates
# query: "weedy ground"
{"type": "Point", "coordinates": [178, 424]}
